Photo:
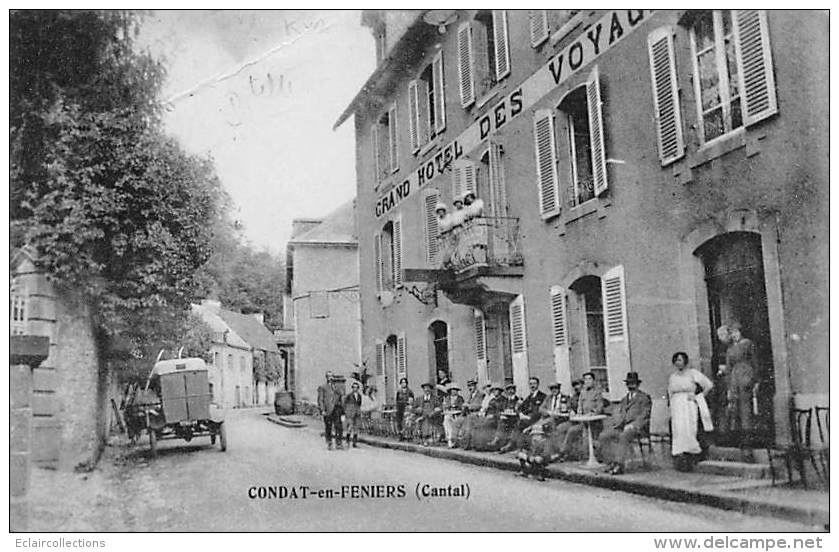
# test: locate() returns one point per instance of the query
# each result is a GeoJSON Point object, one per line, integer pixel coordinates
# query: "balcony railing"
{"type": "Point", "coordinates": [481, 241]}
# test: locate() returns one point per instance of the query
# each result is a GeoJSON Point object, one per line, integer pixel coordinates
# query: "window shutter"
{"type": "Point", "coordinates": [380, 358]}
{"type": "Point", "coordinates": [562, 348]}
{"type": "Point", "coordinates": [595, 125]}
{"type": "Point", "coordinates": [432, 230]}
{"type": "Point", "coordinates": [464, 177]}
{"type": "Point", "coordinates": [464, 64]}
{"type": "Point", "coordinates": [394, 147]}
{"type": "Point", "coordinates": [502, 44]}
{"type": "Point", "coordinates": [615, 327]}
{"type": "Point", "coordinates": [374, 140]}
{"type": "Point", "coordinates": [668, 116]}
{"type": "Point", "coordinates": [518, 339]}
{"type": "Point", "coordinates": [498, 188]}
{"type": "Point", "coordinates": [538, 26]}
{"type": "Point", "coordinates": [439, 92]}
{"type": "Point", "coordinates": [754, 65]}
{"type": "Point", "coordinates": [401, 356]}
{"type": "Point", "coordinates": [413, 108]}
{"type": "Point", "coordinates": [481, 346]}
{"type": "Point", "coordinates": [397, 252]}
{"type": "Point", "coordinates": [377, 246]}
{"type": "Point", "coordinates": [546, 177]}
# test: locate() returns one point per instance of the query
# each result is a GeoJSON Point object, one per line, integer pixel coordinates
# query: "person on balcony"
{"type": "Point", "coordinates": [444, 223]}
{"type": "Point", "coordinates": [473, 206]}
{"type": "Point", "coordinates": [458, 217]}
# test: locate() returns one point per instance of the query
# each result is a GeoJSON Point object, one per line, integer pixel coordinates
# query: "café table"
{"type": "Point", "coordinates": [587, 419]}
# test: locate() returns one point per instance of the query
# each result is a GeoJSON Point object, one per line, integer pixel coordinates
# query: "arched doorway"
{"type": "Point", "coordinates": [736, 288]}
{"type": "Point", "coordinates": [439, 336]}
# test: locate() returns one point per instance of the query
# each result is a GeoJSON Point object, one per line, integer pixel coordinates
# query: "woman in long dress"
{"type": "Point", "coordinates": [687, 406]}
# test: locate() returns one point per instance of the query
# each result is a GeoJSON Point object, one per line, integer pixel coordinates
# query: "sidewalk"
{"type": "Point", "coordinates": [749, 496]}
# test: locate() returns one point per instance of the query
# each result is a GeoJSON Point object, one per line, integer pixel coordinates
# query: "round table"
{"type": "Point", "coordinates": [587, 419]}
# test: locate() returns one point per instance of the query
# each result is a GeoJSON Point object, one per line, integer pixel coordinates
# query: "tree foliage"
{"type": "Point", "coordinates": [115, 208]}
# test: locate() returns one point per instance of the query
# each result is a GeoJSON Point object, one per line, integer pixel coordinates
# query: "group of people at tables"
{"type": "Point", "coordinates": [542, 428]}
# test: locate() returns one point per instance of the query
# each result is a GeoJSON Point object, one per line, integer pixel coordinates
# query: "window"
{"type": "Point", "coordinates": [733, 79]}
{"type": "Point", "coordinates": [385, 146]}
{"type": "Point", "coordinates": [381, 43]}
{"type": "Point", "coordinates": [388, 252]}
{"type": "Point", "coordinates": [493, 51]}
{"type": "Point", "coordinates": [18, 309]}
{"type": "Point", "coordinates": [586, 149]}
{"type": "Point", "coordinates": [427, 104]}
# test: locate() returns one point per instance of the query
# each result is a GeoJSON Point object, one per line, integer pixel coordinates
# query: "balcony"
{"type": "Point", "coordinates": [481, 242]}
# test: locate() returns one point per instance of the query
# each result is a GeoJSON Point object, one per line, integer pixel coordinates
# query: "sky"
{"type": "Point", "coordinates": [260, 91]}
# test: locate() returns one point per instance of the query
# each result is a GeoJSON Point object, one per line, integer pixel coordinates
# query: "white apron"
{"type": "Point", "coordinates": [685, 408]}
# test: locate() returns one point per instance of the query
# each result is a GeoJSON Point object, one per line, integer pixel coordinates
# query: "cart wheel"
{"type": "Point", "coordinates": [153, 442]}
{"type": "Point", "coordinates": [222, 436]}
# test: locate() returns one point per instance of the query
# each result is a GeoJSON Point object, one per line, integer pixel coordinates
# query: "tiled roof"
{"type": "Point", "coordinates": [250, 329]}
{"type": "Point", "coordinates": [338, 227]}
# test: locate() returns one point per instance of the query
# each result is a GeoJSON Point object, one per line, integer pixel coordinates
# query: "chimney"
{"type": "Point", "coordinates": [260, 316]}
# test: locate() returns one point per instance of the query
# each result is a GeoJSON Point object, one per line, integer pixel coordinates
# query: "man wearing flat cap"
{"type": "Point", "coordinates": [428, 409]}
{"type": "Point", "coordinates": [630, 418]}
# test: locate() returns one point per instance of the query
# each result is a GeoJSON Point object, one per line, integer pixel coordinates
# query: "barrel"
{"type": "Point", "coordinates": [284, 402]}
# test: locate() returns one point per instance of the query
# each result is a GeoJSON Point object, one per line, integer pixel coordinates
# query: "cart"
{"type": "Point", "coordinates": [175, 404]}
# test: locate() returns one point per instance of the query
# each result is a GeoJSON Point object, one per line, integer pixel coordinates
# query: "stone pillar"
{"type": "Point", "coordinates": [25, 353]}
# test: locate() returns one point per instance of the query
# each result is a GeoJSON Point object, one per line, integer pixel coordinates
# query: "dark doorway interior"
{"type": "Point", "coordinates": [440, 343]}
{"type": "Point", "coordinates": [737, 292]}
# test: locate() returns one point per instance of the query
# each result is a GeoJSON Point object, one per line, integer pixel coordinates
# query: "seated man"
{"type": "Point", "coordinates": [591, 401]}
{"type": "Point", "coordinates": [630, 418]}
{"type": "Point", "coordinates": [538, 454]}
{"type": "Point", "coordinates": [528, 414]}
{"type": "Point", "coordinates": [473, 401]}
{"type": "Point", "coordinates": [484, 426]}
{"type": "Point", "coordinates": [508, 420]}
{"type": "Point", "coordinates": [452, 414]}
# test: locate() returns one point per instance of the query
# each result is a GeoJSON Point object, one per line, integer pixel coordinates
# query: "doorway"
{"type": "Point", "coordinates": [498, 347]}
{"type": "Point", "coordinates": [390, 370]}
{"type": "Point", "coordinates": [439, 333]}
{"type": "Point", "coordinates": [587, 335]}
{"type": "Point", "coordinates": [736, 286]}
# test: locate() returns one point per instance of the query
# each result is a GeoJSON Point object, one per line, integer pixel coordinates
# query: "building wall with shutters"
{"type": "Point", "coordinates": [655, 199]}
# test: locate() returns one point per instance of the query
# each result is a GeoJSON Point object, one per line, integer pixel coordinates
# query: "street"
{"type": "Point", "coordinates": [196, 487]}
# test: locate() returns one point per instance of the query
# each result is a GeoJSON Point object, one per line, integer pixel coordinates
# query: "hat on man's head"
{"type": "Point", "coordinates": [453, 387]}
{"type": "Point", "coordinates": [632, 377]}
{"type": "Point", "coordinates": [496, 385]}
{"type": "Point", "coordinates": [440, 207]}
{"type": "Point", "coordinates": [468, 193]}
{"type": "Point", "coordinates": [427, 384]}
{"type": "Point", "coordinates": [510, 385]}
{"type": "Point", "coordinates": [555, 385]}
{"type": "Point", "coordinates": [472, 381]}
{"type": "Point", "coordinates": [589, 374]}
{"type": "Point", "coordinates": [578, 381]}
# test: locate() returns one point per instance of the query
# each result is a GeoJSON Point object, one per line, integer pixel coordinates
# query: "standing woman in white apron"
{"type": "Point", "coordinates": [687, 407]}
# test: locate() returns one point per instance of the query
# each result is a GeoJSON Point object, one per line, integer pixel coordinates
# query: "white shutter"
{"type": "Point", "coordinates": [502, 43]}
{"type": "Point", "coordinates": [464, 178]}
{"type": "Point", "coordinates": [595, 126]}
{"type": "Point", "coordinates": [401, 357]}
{"type": "Point", "coordinates": [668, 116]}
{"type": "Point", "coordinates": [481, 346]}
{"type": "Point", "coordinates": [377, 246]}
{"type": "Point", "coordinates": [615, 327]}
{"type": "Point", "coordinates": [754, 65]}
{"type": "Point", "coordinates": [439, 79]}
{"type": "Point", "coordinates": [498, 188]}
{"type": "Point", "coordinates": [546, 177]}
{"type": "Point", "coordinates": [380, 358]}
{"type": "Point", "coordinates": [538, 26]}
{"type": "Point", "coordinates": [562, 347]}
{"type": "Point", "coordinates": [413, 108]}
{"type": "Point", "coordinates": [432, 230]}
{"type": "Point", "coordinates": [425, 123]}
{"type": "Point", "coordinates": [518, 342]}
{"type": "Point", "coordinates": [465, 64]}
{"type": "Point", "coordinates": [393, 150]}
{"type": "Point", "coordinates": [374, 139]}
{"type": "Point", "coordinates": [397, 251]}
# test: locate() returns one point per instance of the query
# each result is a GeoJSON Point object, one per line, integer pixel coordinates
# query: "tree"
{"type": "Point", "coordinates": [114, 208]}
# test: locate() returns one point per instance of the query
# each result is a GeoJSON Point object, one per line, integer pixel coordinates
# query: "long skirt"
{"type": "Point", "coordinates": [684, 418]}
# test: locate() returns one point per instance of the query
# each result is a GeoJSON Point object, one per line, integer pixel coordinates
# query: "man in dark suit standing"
{"type": "Point", "coordinates": [331, 408]}
{"type": "Point", "coordinates": [630, 418]}
{"type": "Point", "coordinates": [352, 413]}
{"type": "Point", "coordinates": [528, 410]}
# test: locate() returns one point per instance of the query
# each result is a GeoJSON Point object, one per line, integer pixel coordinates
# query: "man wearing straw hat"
{"type": "Point", "coordinates": [452, 414]}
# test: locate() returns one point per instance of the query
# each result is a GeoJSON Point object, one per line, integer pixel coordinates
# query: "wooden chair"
{"type": "Point", "coordinates": [800, 450]}
{"type": "Point", "coordinates": [823, 447]}
{"type": "Point", "coordinates": [658, 430]}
